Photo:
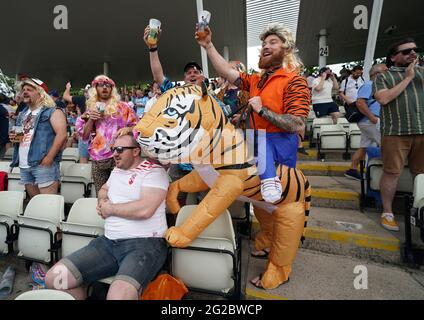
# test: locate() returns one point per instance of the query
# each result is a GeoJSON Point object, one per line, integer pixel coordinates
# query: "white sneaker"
{"type": "Point", "coordinates": [271, 189]}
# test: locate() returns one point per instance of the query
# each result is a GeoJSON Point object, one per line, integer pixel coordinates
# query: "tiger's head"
{"type": "Point", "coordinates": [180, 122]}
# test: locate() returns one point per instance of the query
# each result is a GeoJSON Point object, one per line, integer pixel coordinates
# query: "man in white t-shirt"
{"type": "Point", "coordinates": [133, 249]}
{"type": "Point", "coordinates": [322, 98]}
{"type": "Point", "coordinates": [350, 86]}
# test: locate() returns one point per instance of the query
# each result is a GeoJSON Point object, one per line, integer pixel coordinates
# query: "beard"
{"type": "Point", "coordinates": [274, 60]}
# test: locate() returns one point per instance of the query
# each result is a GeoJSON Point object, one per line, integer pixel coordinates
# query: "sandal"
{"type": "Point", "coordinates": [257, 283]}
{"type": "Point", "coordinates": [264, 254]}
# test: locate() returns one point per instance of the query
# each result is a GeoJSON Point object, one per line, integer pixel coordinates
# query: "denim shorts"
{"type": "Point", "coordinates": [41, 176]}
{"type": "Point", "coordinates": [135, 261]}
{"type": "Point", "coordinates": [83, 148]}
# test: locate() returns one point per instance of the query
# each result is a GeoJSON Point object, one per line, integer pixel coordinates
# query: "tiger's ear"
{"type": "Point", "coordinates": [204, 90]}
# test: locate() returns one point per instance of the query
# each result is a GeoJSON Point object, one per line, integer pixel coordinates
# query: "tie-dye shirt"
{"type": "Point", "coordinates": [100, 145]}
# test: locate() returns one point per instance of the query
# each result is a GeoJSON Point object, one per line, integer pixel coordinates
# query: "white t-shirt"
{"type": "Point", "coordinates": [325, 95]}
{"type": "Point", "coordinates": [352, 87]}
{"type": "Point", "coordinates": [28, 126]}
{"type": "Point", "coordinates": [310, 81]}
{"type": "Point", "coordinates": [125, 186]}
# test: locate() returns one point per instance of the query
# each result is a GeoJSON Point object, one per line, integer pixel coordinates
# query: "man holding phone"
{"type": "Point", "coordinates": [400, 93]}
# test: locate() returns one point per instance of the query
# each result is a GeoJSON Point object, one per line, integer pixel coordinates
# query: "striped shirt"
{"type": "Point", "coordinates": [404, 115]}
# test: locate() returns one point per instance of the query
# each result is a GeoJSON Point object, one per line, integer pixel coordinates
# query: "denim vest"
{"type": "Point", "coordinates": [42, 139]}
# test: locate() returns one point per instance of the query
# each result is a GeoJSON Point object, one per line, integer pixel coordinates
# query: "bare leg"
{"type": "Point", "coordinates": [32, 190]}
{"type": "Point", "coordinates": [388, 184]}
{"type": "Point", "coordinates": [335, 116]}
{"type": "Point", "coordinates": [51, 189]}
{"type": "Point", "coordinates": [60, 278]}
{"type": "Point", "coordinates": [357, 157]}
{"type": "Point", "coordinates": [121, 290]}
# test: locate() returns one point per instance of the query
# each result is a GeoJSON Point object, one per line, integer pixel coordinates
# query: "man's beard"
{"type": "Point", "coordinates": [274, 61]}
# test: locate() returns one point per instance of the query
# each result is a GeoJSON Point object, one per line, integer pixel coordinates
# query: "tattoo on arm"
{"type": "Point", "coordinates": [286, 122]}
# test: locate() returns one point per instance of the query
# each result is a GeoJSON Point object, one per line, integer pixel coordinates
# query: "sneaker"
{"type": "Point", "coordinates": [303, 151]}
{"type": "Point", "coordinates": [271, 189]}
{"type": "Point", "coordinates": [388, 222]}
{"type": "Point", "coordinates": [353, 174]}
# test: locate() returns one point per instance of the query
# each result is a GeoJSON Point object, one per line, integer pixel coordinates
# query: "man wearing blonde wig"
{"type": "Point", "coordinates": [39, 149]}
{"type": "Point", "coordinates": [280, 100]}
{"type": "Point", "coordinates": [104, 117]}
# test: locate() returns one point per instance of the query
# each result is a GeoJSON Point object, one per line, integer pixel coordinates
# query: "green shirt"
{"type": "Point", "coordinates": [403, 116]}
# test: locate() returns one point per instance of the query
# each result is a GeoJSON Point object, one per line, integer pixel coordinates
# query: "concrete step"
{"type": "Point", "coordinates": [348, 233]}
{"type": "Point", "coordinates": [335, 192]}
{"type": "Point", "coordinates": [319, 168]}
{"type": "Point", "coordinates": [320, 276]}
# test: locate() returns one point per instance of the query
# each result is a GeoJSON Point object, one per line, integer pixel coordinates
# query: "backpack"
{"type": "Point", "coordinates": [3, 181]}
{"type": "Point", "coordinates": [353, 114]}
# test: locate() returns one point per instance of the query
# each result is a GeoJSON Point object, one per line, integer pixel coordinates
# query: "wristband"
{"type": "Point", "coordinates": [153, 49]}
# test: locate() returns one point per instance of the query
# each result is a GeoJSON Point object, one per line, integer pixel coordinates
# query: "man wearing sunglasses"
{"type": "Point", "coordinates": [133, 249]}
{"type": "Point", "coordinates": [401, 95]}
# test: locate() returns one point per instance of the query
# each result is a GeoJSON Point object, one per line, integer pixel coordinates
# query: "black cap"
{"type": "Point", "coordinates": [192, 65]}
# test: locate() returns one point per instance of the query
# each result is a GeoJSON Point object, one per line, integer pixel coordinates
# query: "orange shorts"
{"type": "Point", "coordinates": [397, 151]}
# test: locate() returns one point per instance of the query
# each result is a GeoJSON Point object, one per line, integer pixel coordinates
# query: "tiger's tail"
{"type": "Point", "coordinates": [308, 198]}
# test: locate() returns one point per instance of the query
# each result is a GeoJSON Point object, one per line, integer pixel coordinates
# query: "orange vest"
{"type": "Point", "coordinates": [272, 95]}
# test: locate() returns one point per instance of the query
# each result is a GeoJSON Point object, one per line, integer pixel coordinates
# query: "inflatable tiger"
{"type": "Point", "coordinates": [186, 125]}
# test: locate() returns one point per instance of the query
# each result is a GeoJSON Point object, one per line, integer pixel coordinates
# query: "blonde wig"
{"type": "Point", "coordinates": [112, 106]}
{"type": "Point", "coordinates": [291, 61]}
{"type": "Point", "coordinates": [45, 99]}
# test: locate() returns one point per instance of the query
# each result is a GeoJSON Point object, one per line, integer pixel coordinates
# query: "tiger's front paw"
{"type": "Point", "coordinates": [172, 200]}
{"type": "Point", "coordinates": [176, 238]}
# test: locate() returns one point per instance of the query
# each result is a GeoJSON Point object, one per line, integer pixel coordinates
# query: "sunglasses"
{"type": "Point", "coordinates": [104, 84]}
{"type": "Point", "coordinates": [405, 52]}
{"type": "Point", "coordinates": [121, 149]}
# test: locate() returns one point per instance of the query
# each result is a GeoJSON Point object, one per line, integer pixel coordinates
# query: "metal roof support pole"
{"type": "Point", "coordinates": [322, 44]}
{"type": "Point", "coordinates": [226, 53]}
{"type": "Point", "coordinates": [205, 68]}
{"type": "Point", "coordinates": [106, 67]}
{"type": "Point", "coordinates": [372, 36]}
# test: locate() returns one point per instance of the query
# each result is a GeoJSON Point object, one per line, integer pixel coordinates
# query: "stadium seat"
{"type": "Point", "coordinates": [316, 125]}
{"type": "Point", "coordinates": [331, 138]}
{"type": "Point", "coordinates": [11, 206]}
{"type": "Point", "coordinates": [5, 166]}
{"type": "Point", "coordinates": [70, 154]}
{"type": "Point", "coordinates": [354, 136]}
{"type": "Point", "coordinates": [211, 263]}
{"type": "Point", "coordinates": [375, 171]}
{"type": "Point", "coordinates": [344, 123]}
{"type": "Point", "coordinates": [14, 181]}
{"type": "Point", "coordinates": [419, 192]}
{"type": "Point", "coordinates": [39, 228]}
{"type": "Point", "coordinates": [310, 120]}
{"type": "Point", "coordinates": [9, 154]}
{"type": "Point", "coordinates": [64, 165]}
{"type": "Point", "coordinates": [342, 110]}
{"type": "Point", "coordinates": [45, 294]}
{"type": "Point", "coordinates": [82, 225]}
{"type": "Point", "coordinates": [76, 182]}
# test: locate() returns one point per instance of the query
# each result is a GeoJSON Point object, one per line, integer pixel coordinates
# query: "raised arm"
{"type": "Point", "coordinates": [385, 96]}
{"type": "Point", "coordinates": [222, 67]}
{"type": "Point", "coordinates": [67, 93]}
{"type": "Point", "coordinates": [155, 64]}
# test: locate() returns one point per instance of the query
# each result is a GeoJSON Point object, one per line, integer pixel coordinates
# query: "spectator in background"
{"type": "Point", "coordinates": [44, 134]}
{"type": "Point", "coordinates": [140, 101]}
{"type": "Point", "coordinates": [80, 103]}
{"type": "Point", "coordinates": [56, 98]}
{"type": "Point", "coordinates": [370, 124]}
{"type": "Point", "coordinates": [322, 98]}
{"type": "Point", "coordinates": [4, 129]}
{"type": "Point", "coordinates": [350, 86]}
{"type": "Point", "coordinates": [105, 115]}
{"type": "Point", "coordinates": [401, 95]}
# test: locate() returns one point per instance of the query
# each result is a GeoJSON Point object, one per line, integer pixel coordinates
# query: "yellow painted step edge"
{"type": "Point", "coordinates": [334, 194]}
{"type": "Point", "coordinates": [263, 295]}
{"type": "Point", "coordinates": [323, 167]}
{"type": "Point", "coordinates": [360, 240]}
